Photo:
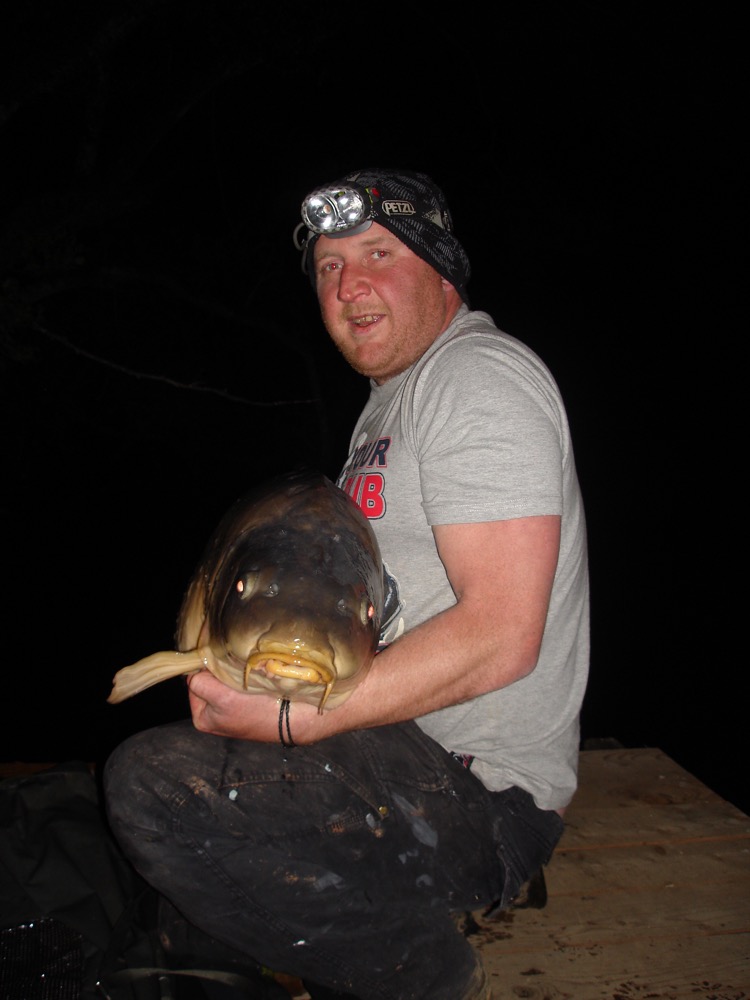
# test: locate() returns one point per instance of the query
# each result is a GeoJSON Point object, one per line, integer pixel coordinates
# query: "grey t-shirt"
{"type": "Point", "coordinates": [474, 431]}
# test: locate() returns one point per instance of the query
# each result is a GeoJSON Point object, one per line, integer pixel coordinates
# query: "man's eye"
{"type": "Point", "coordinates": [332, 265]}
{"type": "Point", "coordinates": [379, 254]}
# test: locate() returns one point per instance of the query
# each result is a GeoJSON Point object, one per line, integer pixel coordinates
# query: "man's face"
{"type": "Point", "coordinates": [382, 304]}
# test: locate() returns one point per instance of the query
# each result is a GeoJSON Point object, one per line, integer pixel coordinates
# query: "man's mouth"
{"type": "Point", "coordinates": [367, 320]}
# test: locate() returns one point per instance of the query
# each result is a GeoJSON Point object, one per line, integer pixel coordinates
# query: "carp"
{"type": "Point", "coordinates": [286, 600]}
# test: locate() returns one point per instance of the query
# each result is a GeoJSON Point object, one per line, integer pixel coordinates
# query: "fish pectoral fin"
{"type": "Point", "coordinates": [156, 668]}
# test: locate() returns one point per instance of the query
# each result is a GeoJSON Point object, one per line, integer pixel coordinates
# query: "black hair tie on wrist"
{"type": "Point", "coordinates": [286, 739]}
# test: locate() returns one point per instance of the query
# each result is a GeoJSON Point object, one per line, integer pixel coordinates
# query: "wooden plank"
{"type": "Point", "coordinates": [623, 778]}
{"type": "Point", "coordinates": [649, 894]}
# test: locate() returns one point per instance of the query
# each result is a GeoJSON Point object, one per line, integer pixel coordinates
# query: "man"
{"type": "Point", "coordinates": [344, 858]}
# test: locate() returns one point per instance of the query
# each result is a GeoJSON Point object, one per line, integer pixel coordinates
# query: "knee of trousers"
{"type": "Point", "coordinates": [136, 787]}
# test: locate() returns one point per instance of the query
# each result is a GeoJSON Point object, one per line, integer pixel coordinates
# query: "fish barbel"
{"type": "Point", "coordinates": [287, 599]}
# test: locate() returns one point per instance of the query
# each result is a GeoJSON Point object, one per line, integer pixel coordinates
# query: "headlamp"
{"type": "Point", "coordinates": [337, 211]}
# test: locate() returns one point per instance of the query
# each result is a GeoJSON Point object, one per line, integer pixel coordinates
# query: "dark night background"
{"type": "Point", "coordinates": [160, 351]}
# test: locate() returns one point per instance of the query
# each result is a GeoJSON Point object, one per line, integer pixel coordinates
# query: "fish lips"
{"type": "Point", "coordinates": [301, 668]}
{"type": "Point", "coordinates": [290, 671]}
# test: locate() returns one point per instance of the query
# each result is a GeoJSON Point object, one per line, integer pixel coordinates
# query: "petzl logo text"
{"type": "Point", "coordinates": [399, 208]}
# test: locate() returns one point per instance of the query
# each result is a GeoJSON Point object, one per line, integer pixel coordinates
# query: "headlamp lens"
{"type": "Point", "coordinates": [333, 210]}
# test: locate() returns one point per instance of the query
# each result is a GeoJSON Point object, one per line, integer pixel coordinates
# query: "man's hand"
{"type": "Point", "coordinates": [219, 709]}
{"type": "Point", "coordinates": [223, 711]}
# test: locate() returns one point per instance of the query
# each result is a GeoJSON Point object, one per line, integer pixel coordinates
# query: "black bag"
{"type": "Point", "coordinates": [73, 910]}
{"type": "Point", "coordinates": [76, 920]}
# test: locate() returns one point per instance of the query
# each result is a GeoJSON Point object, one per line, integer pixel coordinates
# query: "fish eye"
{"type": "Point", "coordinates": [246, 585]}
{"type": "Point", "coordinates": [366, 610]}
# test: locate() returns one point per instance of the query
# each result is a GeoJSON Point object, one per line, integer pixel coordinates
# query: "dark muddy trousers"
{"type": "Point", "coordinates": [339, 863]}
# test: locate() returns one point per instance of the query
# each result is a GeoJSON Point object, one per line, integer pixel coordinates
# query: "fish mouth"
{"type": "Point", "coordinates": [292, 668]}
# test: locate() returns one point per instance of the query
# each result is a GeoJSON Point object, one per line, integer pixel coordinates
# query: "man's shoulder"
{"type": "Point", "coordinates": [473, 332]}
{"type": "Point", "coordinates": [468, 321]}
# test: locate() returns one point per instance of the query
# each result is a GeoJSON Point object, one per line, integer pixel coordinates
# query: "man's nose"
{"type": "Point", "coordinates": [353, 282]}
